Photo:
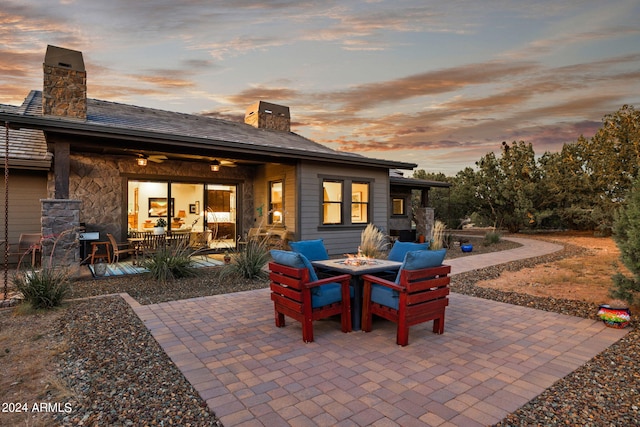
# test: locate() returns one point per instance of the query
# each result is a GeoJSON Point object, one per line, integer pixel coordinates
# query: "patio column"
{"type": "Point", "coordinates": [59, 227]}
{"type": "Point", "coordinates": [424, 219]}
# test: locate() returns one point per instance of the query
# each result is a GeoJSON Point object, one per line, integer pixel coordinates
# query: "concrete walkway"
{"type": "Point", "coordinates": [530, 248]}
{"type": "Point", "coordinates": [492, 359]}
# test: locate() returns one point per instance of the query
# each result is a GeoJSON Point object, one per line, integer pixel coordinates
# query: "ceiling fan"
{"type": "Point", "coordinates": [216, 164]}
{"type": "Point", "coordinates": [156, 158]}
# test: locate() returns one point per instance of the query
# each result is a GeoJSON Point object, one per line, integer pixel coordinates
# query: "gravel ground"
{"type": "Point", "coordinates": [122, 377]}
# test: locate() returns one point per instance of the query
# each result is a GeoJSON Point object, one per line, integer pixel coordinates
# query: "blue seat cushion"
{"type": "Point", "coordinates": [326, 294]}
{"type": "Point", "coordinates": [417, 260]}
{"type": "Point", "coordinates": [400, 249]}
{"type": "Point", "coordinates": [314, 250]}
{"type": "Point", "coordinates": [320, 295]}
{"type": "Point", "coordinates": [385, 296]}
{"type": "Point", "coordinates": [295, 260]}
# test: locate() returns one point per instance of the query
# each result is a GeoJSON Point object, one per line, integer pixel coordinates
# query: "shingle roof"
{"type": "Point", "coordinates": [105, 116]}
{"type": "Point", "coordinates": [27, 147]}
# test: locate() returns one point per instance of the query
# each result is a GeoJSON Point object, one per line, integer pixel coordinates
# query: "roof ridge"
{"type": "Point", "coordinates": [28, 101]}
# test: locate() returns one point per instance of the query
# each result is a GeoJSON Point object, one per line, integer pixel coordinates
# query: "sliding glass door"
{"type": "Point", "coordinates": [204, 208]}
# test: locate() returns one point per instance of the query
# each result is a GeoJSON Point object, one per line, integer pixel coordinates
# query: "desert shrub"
{"type": "Point", "coordinates": [491, 238]}
{"type": "Point", "coordinates": [168, 264]}
{"type": "Point", "coordinates": [44, 288]}
{"type": "Point", "coordinates": [447, 240]}
{"type": "Point", "coordinates": [249, 261]}
{"type": "Point", "coordinates": [372, 242]}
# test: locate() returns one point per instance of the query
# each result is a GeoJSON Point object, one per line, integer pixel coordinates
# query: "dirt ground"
{"type": "Point", "coordinates": [584, 278]}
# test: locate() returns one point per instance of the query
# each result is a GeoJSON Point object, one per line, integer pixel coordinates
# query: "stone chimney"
{"type": "Point", "coordinates": [265, 115]}
{"type": "Point", "coordinates": [64, 91]}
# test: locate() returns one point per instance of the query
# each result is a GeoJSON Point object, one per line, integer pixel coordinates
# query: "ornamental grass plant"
{"type": "Point", "coordinates": [373, 242]}
{"type": "Point", "coordinates": [437, 240]}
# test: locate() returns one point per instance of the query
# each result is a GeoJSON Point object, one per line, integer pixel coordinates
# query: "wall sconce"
{"type": "Point", "coordinates": [215, 166]}
{"type": "Point", "coordinates": [142, 161]}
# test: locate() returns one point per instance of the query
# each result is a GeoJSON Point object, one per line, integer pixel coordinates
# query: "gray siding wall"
{"type": "Point", "coordinates": [339, 239]}
{"type": "Point", "coordinates": [265, 175]}
{"type": "Point", "coordinates": [26, 189]}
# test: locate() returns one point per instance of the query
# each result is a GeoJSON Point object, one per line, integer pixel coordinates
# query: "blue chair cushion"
{"type": "Point", "coordinates": [416, 260]}
{"type": "Point", "coordinates": [320, 295]}
{"type": "Point", "coordinates": [295, 260]}
{"type": "Point", "coordinates": [385, 296]}
{"type": "Point", "coordinates": [314, 250]}
{"type": "Point", "coordinates": [413, 260]}
{"type": "Point", "coordinates": [400, 249]}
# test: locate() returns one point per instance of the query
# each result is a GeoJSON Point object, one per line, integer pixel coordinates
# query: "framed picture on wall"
{"type": "Point", "coordinates": [192, 208]}
{"type": "Point", "coordinates": [158, 207]}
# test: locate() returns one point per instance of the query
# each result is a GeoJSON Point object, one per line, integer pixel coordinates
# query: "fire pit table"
{"type": "Point", "coordinates": [357, 267]}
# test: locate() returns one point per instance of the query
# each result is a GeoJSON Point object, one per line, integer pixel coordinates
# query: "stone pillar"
{"type": "Point", "coordinates": [60, 222]}
{"type": "Point", "coordinates": [424, 219]}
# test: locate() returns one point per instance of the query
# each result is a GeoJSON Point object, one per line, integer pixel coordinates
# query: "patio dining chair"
{"type": "Point", "coordinates": [179, 241]}
{"type": "Point", "coordinates": [152, 243]}
{"type": "Point", "coordinates": [297, 292]}
{"type": "Point", "coordinates": [28, 244]}
{"type": "Point", "coordinates": [419, 294]}
{"type": "Point", "coordinates": [123, 248]}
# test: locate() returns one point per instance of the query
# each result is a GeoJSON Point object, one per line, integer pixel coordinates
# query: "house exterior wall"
{"type": "Point", "coordinates": [264, 176]}
{"type": "Point", "coordinates": [339, 239]}
{"type": "Point", "coordinates": [100, 183]}
{"type": "Point", "coordinates": [400, 222]}
{"type": "Point", "coordinates": [26, 189]}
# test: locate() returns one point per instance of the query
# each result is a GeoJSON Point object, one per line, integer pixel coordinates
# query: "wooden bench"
{"type": "Point", "coordinates": [419, 296]}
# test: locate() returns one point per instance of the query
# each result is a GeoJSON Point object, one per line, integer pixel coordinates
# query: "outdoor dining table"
{"type": "Point", "coordinates": [356, 271]}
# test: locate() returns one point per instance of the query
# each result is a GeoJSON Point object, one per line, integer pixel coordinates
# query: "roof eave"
{"type": "Point", "coordinates": [78, 127]}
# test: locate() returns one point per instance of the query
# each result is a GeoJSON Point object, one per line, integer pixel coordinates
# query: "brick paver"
{"type": "Point", "coordinates": [492, 359]}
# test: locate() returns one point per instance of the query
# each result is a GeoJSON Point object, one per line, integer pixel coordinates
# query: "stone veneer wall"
{"type": "Point", "coordinates": [97, 181]}
{"type": "Point", "coordinates": [60, 222]}
{"type": "Point", "coordinates": [424, 219]}
{"type": "Point", "coordinates": [64, 92]}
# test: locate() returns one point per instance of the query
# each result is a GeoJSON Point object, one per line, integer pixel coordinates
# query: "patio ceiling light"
{"type": "Point", "coordinates": [215, 166]}
{"type": "Point", "coordinates": [142, 161]}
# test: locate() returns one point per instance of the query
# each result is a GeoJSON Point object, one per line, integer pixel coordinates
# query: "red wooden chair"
{"type": "Point", "coordinates": [418, 295]}
{"type": "Point", "coordinates": [296, 292]}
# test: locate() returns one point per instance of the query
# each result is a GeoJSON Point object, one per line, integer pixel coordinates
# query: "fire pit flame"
{"type": "Point", "coordinates": [359, 259]}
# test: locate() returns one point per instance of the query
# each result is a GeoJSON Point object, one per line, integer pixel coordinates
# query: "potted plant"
{"type": "Point", "coordinates": [161, 223]}
{"type": "Point", "coordinates": [616, 314]}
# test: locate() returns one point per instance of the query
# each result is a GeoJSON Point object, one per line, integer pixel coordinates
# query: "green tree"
{"type": "Point", "coordinates": [438, 196]}
{"type": "Point", "coordinates": [566, 197]}
{"type": "Point", "coordinates": [626, 232]}
{"type": "Point", "coordinates": [464, 197]}
{"type": "Point", "coordinates": [612, 161]}
{"type": "Point", "coordinates": [507, 186]}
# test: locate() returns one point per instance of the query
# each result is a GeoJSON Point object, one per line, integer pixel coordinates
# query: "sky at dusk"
{"type": "Point", "coordinates": [436, 83]}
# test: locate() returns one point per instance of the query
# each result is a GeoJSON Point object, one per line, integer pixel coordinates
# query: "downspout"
{"type": "Point", "coordinates": [6, 211]}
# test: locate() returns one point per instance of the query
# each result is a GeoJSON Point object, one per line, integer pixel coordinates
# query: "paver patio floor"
{"type": "Point", "coordinates": [492, 359]}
